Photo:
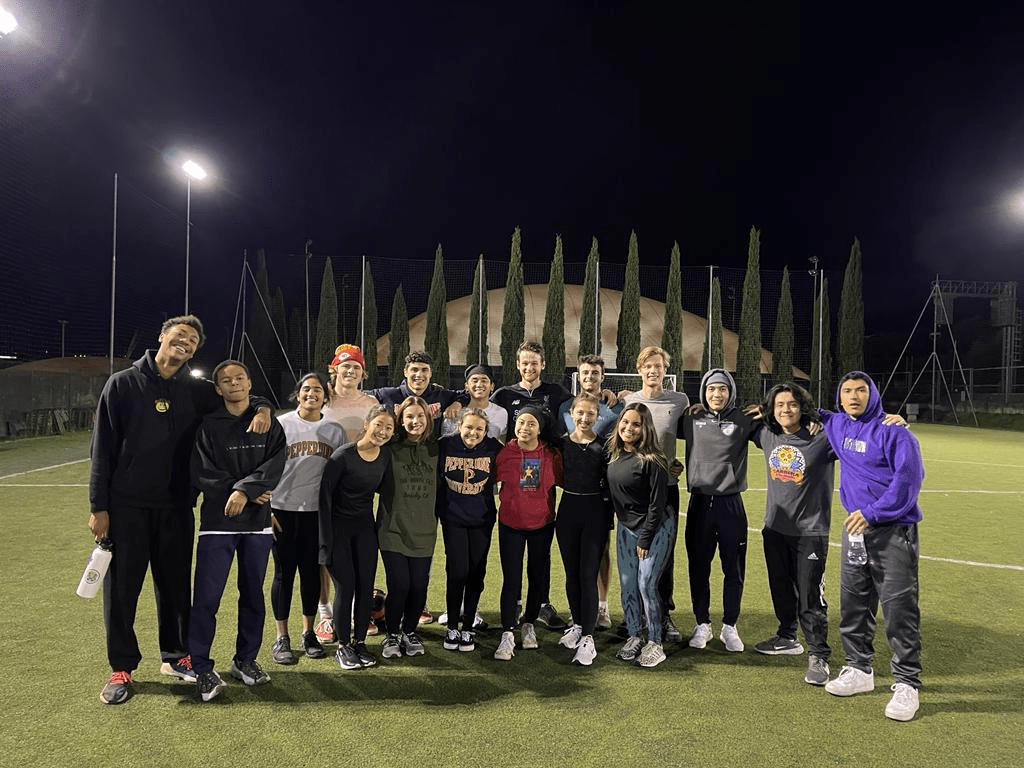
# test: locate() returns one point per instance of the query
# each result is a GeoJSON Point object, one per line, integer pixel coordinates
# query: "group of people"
{"type": "Point", "coordinates": [303, 487]}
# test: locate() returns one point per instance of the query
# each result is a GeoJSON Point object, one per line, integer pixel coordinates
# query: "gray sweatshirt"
{"type": "Point", "coordinates": [801, 472]}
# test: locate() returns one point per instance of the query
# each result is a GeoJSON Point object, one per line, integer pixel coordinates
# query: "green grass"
{"type": "Point", "coordinates": [699, 707]}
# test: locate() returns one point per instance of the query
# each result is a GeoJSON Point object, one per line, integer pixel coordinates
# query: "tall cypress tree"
{"type": "Point", "coordinates": [821, 382]}
{"type": "Point", "coordinates": [513, 321]}
{"type": "Point", "coordinates": [436, 334]}
{"type": "Point", "coordinates": [590, 344]}
{"type": "Point", "coordinates": [717, 344]}
{"type": "Point", "coordinates": [672, 334]}
{"type": "Point", "coordinates": [368, 333]}
{"type": "Point", "coordinates": [782, 339]}
{"type": "Point", "coordinates": [627, 337]}
{"type": "Point", "coordinates": [851, 314]}
{"type": "Point", "coordinates": [748, 356]}
{"type": "Point", "coordinates": [554, 318]}
{"type": "Point", "coordinates": [476, 346]}
{"type": "Point", "coordinates": [399, 337]}
{"type": "Point", "coordinates": [326, 339]}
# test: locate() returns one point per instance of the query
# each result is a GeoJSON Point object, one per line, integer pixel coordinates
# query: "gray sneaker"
{"type": "Point", "coordinates": [700, 636]}
{"type": "Point", "coordinates": [779, 646]}
{"type": "Point", "coordinates": [507, 647]}
{"type": "Point", "coordinates": [549, 618]}
{"type": "Point", "coordinates": [817, 671]}
{"type": "Point", "coordinates": [528, 635]}
{"type": "Point", "coordinates": [281, 652]}
{"type": "Point", "coordinates": [117, 689]}
{"type": "Point", "coordinates": [412, 644]}
{"type": "Point", "coordinates": [631, 649]}
{"type": "Point", "coordinates": [652, 655]}
{"type": "Point", "coordinates": [391, 648]}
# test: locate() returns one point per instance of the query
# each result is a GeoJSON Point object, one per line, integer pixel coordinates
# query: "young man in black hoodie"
{"type": "Point", "coordinates": [141, 498]}
{"type": "Point", "coordinates": [236, 470]}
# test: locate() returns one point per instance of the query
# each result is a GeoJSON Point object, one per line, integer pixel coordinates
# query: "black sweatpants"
{"type": "Point", "coordinates": [408, 578]}
{"type": "Point", "coordinates": [667, 581]}
{"type": "Point", "coordinates": [296, 547]}
{"type": "Point", "coordinates": [353, 566]}
{"type": "Point", "coordinates": [796, 579]}
{"type": "Point", "coordinates": [716, 522]}
{"type": "Point", "coordinates": [214, 554]}
{"type": "Point", "coordinates": [582, 531]}
{"type": "Point", "coordinates": [465, 566]}
{"type": "Point", "coordinates": [512, 545]}
{"type": "Point", "coordinates": [147, 538]}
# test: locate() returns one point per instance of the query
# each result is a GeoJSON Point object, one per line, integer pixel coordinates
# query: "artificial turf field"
{"type": "Point", "coordinates": [460, 709]}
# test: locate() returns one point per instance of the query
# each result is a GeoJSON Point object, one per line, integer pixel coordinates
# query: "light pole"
{"type": "Point", "coordinates": [7, 22]}
{"type": "Point", "coordinates": [192, 171]}
{"type": "Point", "coordinates": [63, 328]}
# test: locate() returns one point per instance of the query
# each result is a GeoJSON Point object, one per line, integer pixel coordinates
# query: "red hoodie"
{"type": "Point", "coordinates": [528, 480]}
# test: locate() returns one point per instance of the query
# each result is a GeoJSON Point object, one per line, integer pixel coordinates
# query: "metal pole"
{"type": "Point", "coordinates": [821, 330]}
{"type": "Point", "coordinates": [309, 341]}
{"type": "Point", "coordinates": [711, 293]}
{"type": "Point", "coordinates": [362, 308]}
{"type": "Point", "coordinates": [597, 307]}
{"type": "Point", "coordinates": [935, 338]}
{"type": "Point", "coordinates": [63, 327]}
{"type": "Point", "coordinates": [188, 232]}
{"type": "Point", "coordinates": [480, 316]}
{"type": "Point", "coordinates": [113, 280]}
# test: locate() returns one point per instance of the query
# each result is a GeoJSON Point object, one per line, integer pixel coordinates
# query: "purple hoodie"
{"type": "Point", "coordinates": [880, 466]}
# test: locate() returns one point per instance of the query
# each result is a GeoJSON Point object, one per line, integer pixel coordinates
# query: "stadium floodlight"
{"type": "Point", "coordinates": [192, 171]}
{"type": "Point", "coordinates": [7, 22]}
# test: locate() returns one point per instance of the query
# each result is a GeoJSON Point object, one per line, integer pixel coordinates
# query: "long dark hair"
{"type": "Point", "coordinates": [648, 449]}
{"type": "Point", "coordinates": [802, 397]}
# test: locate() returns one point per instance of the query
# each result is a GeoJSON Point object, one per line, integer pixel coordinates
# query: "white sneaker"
{"type": "Point", "coordinates": [700, 636]}
{"type": "Point", "coordinates": [585, 651]}
{"type": "Point", "coordinates": [850, 681]}
{"type": "Point", "coordinates": [443, 619]}
{"type": "Point", "coordinates": [528, 636]}
{"type": "Point", "coordinates": [507, 647]}
{"type": "Point", "coordinates": [904, 703]}
{"type": "Point", "coordinates": [571, 637]}
{"type": "Point", "coordinates": [731, 638]}
{"type": "Point", "coordinates": [604, 619]}
{"type": "Point", "coordinates": [652, 655]}
{"type": "Point", "coordinates": [631, 649]}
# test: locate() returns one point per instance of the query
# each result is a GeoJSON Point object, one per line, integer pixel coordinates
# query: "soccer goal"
{"type": "Point", "coordinates": [617, 382]}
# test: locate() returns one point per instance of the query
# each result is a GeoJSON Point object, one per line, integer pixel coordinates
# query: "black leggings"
{"type": "Point", "coordinates": [408, 578]}
{"type": "Point", "coordinates": [465, 565]}
{"type": "Point", "coordinates": [716, 522]}
{"type": "Point", "coordinates": [582, 530]}
{"type": "Point", "coordinates": [512, 543]}
{"type": "Point", "coordinates": [295, 548]}
{"type": "Point", "coordinates": [353, 566]}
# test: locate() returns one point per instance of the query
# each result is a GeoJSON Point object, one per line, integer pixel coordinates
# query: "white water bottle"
{"type": "Point", "coordinates": [856, 554]}
{"type": "Point", "coordinates": [96, 569]}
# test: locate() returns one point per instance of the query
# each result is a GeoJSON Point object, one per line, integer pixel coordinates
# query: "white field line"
{"type": "Point", "coordinates": [43, 469]}
{"type": "Point", "coordinates": [44, 485]}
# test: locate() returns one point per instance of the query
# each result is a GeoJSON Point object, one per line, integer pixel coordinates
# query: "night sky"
{"type": "Point", "coordinates": [383, 129]}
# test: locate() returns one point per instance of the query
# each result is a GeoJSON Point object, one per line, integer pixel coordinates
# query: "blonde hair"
{"type": "Point", "coordinates": [648, 352]}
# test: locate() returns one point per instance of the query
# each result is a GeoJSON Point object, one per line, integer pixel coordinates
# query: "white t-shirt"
{"type": "Point", "coordinates": [310, 445]}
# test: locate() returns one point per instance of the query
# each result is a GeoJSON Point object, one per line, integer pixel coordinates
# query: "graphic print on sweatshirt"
{"type": "Point", "coordinates": [787, 464]}
{"type": "Point", "coordinates": [472, 472]}
{"type": "Point", "coordinates": [529, 477]}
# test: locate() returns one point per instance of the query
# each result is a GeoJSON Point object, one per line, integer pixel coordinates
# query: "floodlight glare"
{"type": "Point", "coordinates": [194, 170]}
{"type": "Point", "coordinates": [7, 22]}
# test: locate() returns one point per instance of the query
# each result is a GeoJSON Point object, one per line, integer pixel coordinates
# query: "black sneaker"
{"type": "Point", "coordinates": [249, 672]}
{"type": "Point", "coordinates": [549, 618]}
{"type": "Point", "coordinates": [366, 659]}
{"type": "Point", "coordinates": [311, 645]}
{"type": "Point", "coordinates": [669, 632]}
{"type": "Point", "coordinates": [181, 669]}
{"type": "Point", "coordinates": [117, 689]}
{"type": "Point", "coordinates": [347, 658]}
{"type": "Point", "coordinates": [209, 684]}
{"type": "Point", "coordinates": [451, 640]}
{"type": "Point", "coordinates": [779, 646]}
{"type": "Point", "coordinates": [281, 653]}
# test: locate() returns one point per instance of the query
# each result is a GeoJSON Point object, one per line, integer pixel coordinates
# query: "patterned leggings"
{"type": "Point", "coordinates": [638, 579]}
